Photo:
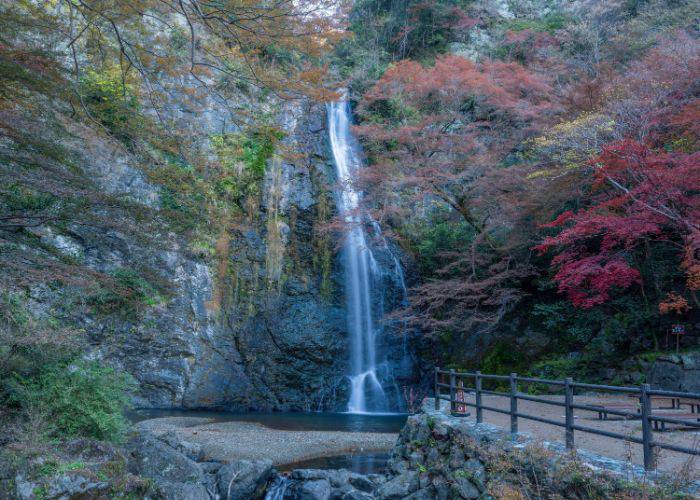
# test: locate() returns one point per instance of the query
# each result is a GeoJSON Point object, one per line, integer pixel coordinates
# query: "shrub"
{"type": "Point", "coordinates": [113, 101]}
{"type": "Point", "coordinates": [127, 292]}
{"type": "Point", "coordinates": [242, 160]}
{"type": "Point", "coordinates": [80, 399]}
{"type": "Point", "coordinates": [548, 23]}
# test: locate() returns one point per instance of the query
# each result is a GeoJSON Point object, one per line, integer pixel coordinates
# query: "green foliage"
{"type": "Point", "coordinates": [26, 343]}
{"type": "Point", "coordinates": [54, 467]}
{"type": "Point", "coordinates": [42, 378]}
{"type": "Point", "coordinates": [114, 102]}
{"type": "Point", "coordinates": [126, 291]}
{"type": "Point", "coordinates": [13, 312]}
{"type": "Point", "coordinates": [392, 110]}
{"type": "Point", "coordinates": [388, 31]}
{"type": "Point", "coordinates": [502, 359]}
{"type": "Point", "coordinates": [548, 23]}
{"type": "Point", "coordinates": [19, 198]}
{"type": "Point", "coordinates": [253, 148]}
{"type": "Point", "coordinates": [435, 240]}
{"type": "Point", "coordinates": [79, 399]}
{"type": "Point", "coordinates": [560, 368]}
{"type": "Point", "coordinates": [430, 26]}
{"type": "Point", "coordinates": [243, 158]}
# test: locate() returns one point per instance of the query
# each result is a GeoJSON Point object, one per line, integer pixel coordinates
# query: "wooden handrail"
{"type": "Point", "coordinates": [644, 392]}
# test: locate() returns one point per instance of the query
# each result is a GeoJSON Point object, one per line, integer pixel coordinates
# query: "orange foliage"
{"type": "Point", "coordinates": [673, 303]}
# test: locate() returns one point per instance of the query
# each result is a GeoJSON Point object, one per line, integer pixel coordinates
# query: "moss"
{"type": "Point", "coordinates": [125, 291]}
{"type": "Point", "coordinates": [323, 250]}
{"type": "Point", "coordinates": [52, 467]}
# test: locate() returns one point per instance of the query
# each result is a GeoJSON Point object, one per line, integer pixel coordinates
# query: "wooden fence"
{"type": "Point", "coordinates": [644, 393]}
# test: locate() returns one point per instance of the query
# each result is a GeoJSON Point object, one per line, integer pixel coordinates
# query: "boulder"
{"type": "Point", "coordinates": [62, 486]}
{"type": "Point", "coordinates": [441, 488]}
{"type": "Point", "coordinates": [356, 495]}
{"type": "Point", "coordinates": [476, 470]}
{"type": "Point", "coordinates": [181, 491]}
{"type": "Point", "coordinates": [362, 483]}
{"type": "Point", "coordinates": [317, 489]}
{"type": "Point", "coordinates": [173, 474]}
{"type": "Point", "coordinates": [310, 474]}
{"type": "Point", "coordinates": [464, 488]}
{"type": "Point", "coordinates": [193, 451]}
{"type": "Point", "coordinates": [427, 493]}
{"type": "Point", "coordinates": [400, 486]}
{"type": "Point", "coordinates": [676, 372]}
{"type": "Point", "coordinates": [244, 479]}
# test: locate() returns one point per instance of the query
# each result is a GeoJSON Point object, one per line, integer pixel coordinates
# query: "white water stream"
{"type": "Point", "coordinates": [362, 272]}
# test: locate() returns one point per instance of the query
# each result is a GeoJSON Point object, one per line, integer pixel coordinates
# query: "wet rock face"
{"type": "Point", "coordinates": [267, 334]}
{"type": "Point", "coordinates": [256, 323]}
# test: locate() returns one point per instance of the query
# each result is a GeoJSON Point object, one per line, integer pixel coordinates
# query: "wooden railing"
{"type": "Point", "coordinates": [644, 393]}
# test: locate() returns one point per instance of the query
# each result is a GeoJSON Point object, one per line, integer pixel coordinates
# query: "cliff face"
{"type": "Point", "coordinates": [250, 328]}
{"type": "Point", "coordinates": [242, 313]}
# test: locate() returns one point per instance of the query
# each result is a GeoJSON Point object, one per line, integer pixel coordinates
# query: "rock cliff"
{"type": "Point", "coordinates": [244, 313]}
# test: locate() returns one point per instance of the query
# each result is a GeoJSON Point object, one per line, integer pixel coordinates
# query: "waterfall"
{"type": "Point", "coordinates": [364, 300]}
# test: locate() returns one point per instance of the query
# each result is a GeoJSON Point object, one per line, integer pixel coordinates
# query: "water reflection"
{"type": "Point", "coordinates": [363, 463]}
{"type": "Point", "coordinates": [350, 422]}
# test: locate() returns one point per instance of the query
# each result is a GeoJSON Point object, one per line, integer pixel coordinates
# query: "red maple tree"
{"type": "Point", "coordinates": [645, 194]}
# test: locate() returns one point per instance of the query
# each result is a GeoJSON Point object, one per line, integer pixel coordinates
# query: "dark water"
{"type": "Point", "coordinates": [364, 463]}
{"type": "Point", "coordinates": [290, 421]}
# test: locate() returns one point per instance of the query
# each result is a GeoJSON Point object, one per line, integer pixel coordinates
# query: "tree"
{"type": "Point", "coordinates": [645, 196]}
{"type": "Point", "coordinates": [446, 134]}
{"type": "Point", "coordinates": [441, 129]}
{"type": "Point", "coordinates": [266, 44]}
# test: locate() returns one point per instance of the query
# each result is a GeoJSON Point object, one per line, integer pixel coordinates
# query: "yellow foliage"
{"type": "Point", "coordinates": [572, 143]}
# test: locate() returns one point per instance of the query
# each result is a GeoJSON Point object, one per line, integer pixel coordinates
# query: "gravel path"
{"type": "Point", "coordinates": [226, 441]}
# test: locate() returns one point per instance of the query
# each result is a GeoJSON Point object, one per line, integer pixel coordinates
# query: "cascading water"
{"type": "Point", "coordinates": [362, 272]}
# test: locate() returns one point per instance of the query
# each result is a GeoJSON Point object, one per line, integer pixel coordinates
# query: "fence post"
{"type": "Point", "coordinates": [437, 388]}
{"type": "Point", "coordinates": [647, 436]}
{"type": "Point", "coordinates": [569, 415]}
{"type": "Point", "coordinates": [513, 404]}
{"type": "Point", "coordinates": [453, 384]}
{"type": "Point", "coordinates": [477, 394]}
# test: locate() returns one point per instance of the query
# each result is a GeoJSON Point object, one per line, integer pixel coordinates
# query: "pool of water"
{"type": "Point", "coordinates": [350, 422]}
{"type": "Point", "coordinates": [364, 463]}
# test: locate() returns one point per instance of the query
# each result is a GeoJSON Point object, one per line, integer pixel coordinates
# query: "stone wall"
{"type": "Point", "coordinates": [676, 372]}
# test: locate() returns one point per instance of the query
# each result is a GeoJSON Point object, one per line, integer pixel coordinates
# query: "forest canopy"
{"type": "Point", "coordinates": [543, 170]}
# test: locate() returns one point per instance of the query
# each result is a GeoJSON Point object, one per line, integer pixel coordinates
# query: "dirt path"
{"type": "Point", "coordinates": [630, 452]}
{"type": "Point", "coordinates": [226, 441]}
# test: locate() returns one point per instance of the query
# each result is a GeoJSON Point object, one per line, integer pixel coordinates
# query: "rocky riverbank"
{"type": "Point", "coordinates": [435, 456]}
